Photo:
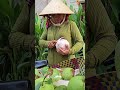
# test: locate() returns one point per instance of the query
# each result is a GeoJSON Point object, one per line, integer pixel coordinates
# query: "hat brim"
{"type": "Point", "coordinates": [56, 7]}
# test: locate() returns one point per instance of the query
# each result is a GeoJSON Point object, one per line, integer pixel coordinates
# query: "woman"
{"type": "Point", "coordinates": [59, 26]}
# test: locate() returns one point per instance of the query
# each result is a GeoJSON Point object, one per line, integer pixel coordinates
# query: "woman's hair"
{"type": "Point", "coordinates": [48, 22]}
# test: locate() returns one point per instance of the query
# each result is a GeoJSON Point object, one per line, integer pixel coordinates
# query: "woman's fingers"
{"type": "Point", "coordinates": [50, 44]}
{"type": "Point", "coordinates": [54, 42]}
{"type": "Point", "coordinates": [64, 51]}
{"type": "Point", "coordinates": [60, 51]}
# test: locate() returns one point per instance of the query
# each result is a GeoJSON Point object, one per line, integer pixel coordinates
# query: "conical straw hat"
{"type": "Point", "coordinates": [56, 7]}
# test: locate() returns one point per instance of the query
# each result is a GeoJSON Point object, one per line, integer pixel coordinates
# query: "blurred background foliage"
{"type": "Point", "coordinates": [40, 26]}
{"type": "Point", "coordinates": [12, 65]}
{"type": "Point", "coordinates": [113, 10]}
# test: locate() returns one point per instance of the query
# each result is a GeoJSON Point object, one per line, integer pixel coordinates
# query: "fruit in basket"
{"type": "Point", "coordinates": [82, 78]}
{"type": "Point", "coordinates": [44, 70]}
{"type": "Point", "coordinates": [40, 80]}
{"type": "Point", "coordinates": [76, 83]}
{"type": "Point", "coordinates": [62, 43]}
{"type": "Point", "coordinates": [37, 74]}
{"type": "Point", "coordinates": [67, 73]}
{"type": "Point", "coordinates": [47, 87]}
{"type": "Point", "coordinates": [38, 83]}
{"type": "Point", "coordinates": [55, 75]}
{"type": "Point", "coordinates": [62, 87]}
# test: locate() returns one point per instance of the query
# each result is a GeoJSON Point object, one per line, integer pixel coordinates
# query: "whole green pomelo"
{"type": "Point", "coordinates": [56, 75]}
{"type": "Point", "coordinates": [67, 73]}
{"type": "Point", "coordinates": [40, 81]}
{"type": "Point", "coordinates": [62, 87]}
{"type": "Point", "coordinates": [76, 83]}
{"type": "Point", "coordinates": [37, 83]}
{"type": "Point", "coordinates": [37, 74]}
{"type": "Point", "coordinates": [47, 87]}
{"type": "Point", "coordinates": [44, 70]}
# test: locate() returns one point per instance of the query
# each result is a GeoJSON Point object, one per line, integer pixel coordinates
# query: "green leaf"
{"type": "Point", "coordinates": [22, 65]}
{"type": "Point", "coordinates": [2, 59]}
{"type": "Point", "coordinates": [44, 53]}
{"type": "Point", "coordinates": [114, 4]}
{"type": "Point", "coordinates": [6, 9]}
{"type": "Point", "coordinates": [71, 7]}
{"type": "Point", "coordinates": [25, 56]}
{"type": "Point", "coordinates": [9, 77]}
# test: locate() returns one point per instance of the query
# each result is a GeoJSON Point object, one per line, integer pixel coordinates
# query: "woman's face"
{"type": "Point", "coordinates": [57, 18]}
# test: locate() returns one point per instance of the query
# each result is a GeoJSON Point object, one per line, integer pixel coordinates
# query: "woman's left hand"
{"type": "Point", "coordinates": [64, 51]}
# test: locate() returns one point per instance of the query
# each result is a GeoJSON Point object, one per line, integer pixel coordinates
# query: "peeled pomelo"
{"type": "Point", "coordinates": [61, 82]}
{"type": "Point", "coordinates": [62, 87]}
{"type": "Point", "coordinates": [67, 73]}
{"type": "Point", "coordinates": [62, 43]}
{"type": "Point", "coordinates": [76, 83]}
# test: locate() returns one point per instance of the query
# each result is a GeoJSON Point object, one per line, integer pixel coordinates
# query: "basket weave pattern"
{"type": "Point", "coordinates": [73, 63]}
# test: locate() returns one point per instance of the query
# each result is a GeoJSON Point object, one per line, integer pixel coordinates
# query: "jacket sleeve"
{"type": "Point", "coordinates": [104, 35]}
{"type": "Point", "coordinates": [43, 39]}
{"type": "Point", "coordinates": [19, 36]}
{"type": "Point", "coordinates": [77, 39]}
{"type": "Point", "coordinates": [117, 59]}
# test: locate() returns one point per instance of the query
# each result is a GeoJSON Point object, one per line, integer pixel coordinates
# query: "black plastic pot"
{"type": "Point", "coordinates": [41, 63]}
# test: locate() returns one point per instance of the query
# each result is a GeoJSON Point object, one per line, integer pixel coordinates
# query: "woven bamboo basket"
{"type": "Point", "coordinates": [73, 63]}
{"type": "Point", "coordinates": [106, 81]}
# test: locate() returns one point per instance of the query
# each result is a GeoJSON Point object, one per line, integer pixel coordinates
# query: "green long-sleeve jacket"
{"type": "Point", "coordinates": [70, 32]}
{"type": "Point", "coordinates": [117, 59]}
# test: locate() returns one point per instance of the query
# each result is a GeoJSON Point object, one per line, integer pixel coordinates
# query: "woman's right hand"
{"type": "Point", "coordinates": [52, 44]}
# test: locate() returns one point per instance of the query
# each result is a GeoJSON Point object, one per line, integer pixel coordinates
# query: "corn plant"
{"type": "Point", "coordinates": [40, 26]}
{"type": "Point", "coordinates": [14, 66]}
{"type": "Point", "coordinates": [79, 18]}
